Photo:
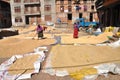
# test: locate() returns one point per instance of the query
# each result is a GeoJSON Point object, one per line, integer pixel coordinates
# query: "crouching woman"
{"type": "Point", "coordinates": [39, 31]}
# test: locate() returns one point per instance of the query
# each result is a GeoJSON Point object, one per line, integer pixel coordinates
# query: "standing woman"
{"type": "Point", "coordinates": [39, 31]}
{"type": "Point", "coordinates": [75, 33]}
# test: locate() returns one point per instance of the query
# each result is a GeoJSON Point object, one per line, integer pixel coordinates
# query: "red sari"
{"type": "Point", "coordinates": [75, 33]}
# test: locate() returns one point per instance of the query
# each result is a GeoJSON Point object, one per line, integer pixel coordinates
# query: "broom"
{"type": "Point", "coordinates": [34, 36]}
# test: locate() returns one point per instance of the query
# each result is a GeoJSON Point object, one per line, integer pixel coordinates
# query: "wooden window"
{"type": "Point", "coordinates": [48, 18]}
{"type": "Point", "coordinates": [18, 19]}
{"type": "Point", "coordinates": [17, 9]}
{"type": "Point", "coordinates": [17, 1]}
{"type": "Point", "coordinates": [26, 1]}
{"type": "Point", "coordinates": [26, 9]}
{"type": "Point", "coordinates": [62, 2]}
{"type": "Point", "coordinates": [69, 8]}
{"type": "Point", "coordinates": [69, 1]}
{"type": "Point", "coordinates": [38, 8]}
{"type": "Point", "coordinates": [32, 9]}
{"type": "Point", "coordinates": [47, 7]}
{"type": "Point", "coordinates": [85, 7]}
{"type": "Point", "coordinates": [32, 0]}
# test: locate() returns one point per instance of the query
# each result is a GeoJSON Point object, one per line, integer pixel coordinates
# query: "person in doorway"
{"type": "Point", "coordinates": [75, 33]}
{"type": "Point", "coordinates": [39, 30]}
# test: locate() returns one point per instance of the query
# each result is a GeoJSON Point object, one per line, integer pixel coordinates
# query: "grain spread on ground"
{"type": "Point", "coordinates": [72, 57]}
{"type": "Point", "coordinates": [13, 46]}
{"type": "Point", "coordinates": [32, 35]}
{"type": "Point", "coordinates": [25, 29]}
{"type": "Point", "coordinates": [86, 39]}
{"type": "Point", "coordinates": [23, 43]}
{"type": "Point", "coordinates": [23, 65]}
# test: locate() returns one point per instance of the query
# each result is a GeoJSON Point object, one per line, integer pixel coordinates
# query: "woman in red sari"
{"type": "Point", "coordinates": [75, 33]}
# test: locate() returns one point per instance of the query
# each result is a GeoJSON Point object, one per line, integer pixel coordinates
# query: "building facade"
{"type": "Point", "coordinates": [43, 11]}
{"type": "Point", "coordinates": [48, 11]}
{"type": "Point", "coordinates": [69, 10]}
{"type": "Point", "coordinates": [25, 12]}
{"type": "Point", "coordinates": [108, 12]}
{"type": "Point", "coordinates": [5, 15]}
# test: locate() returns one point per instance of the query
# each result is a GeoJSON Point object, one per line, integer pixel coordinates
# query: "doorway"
{"type": "Point", "coordinates": [80, 15]}
{"type": "Point", "coordinates": [91, 17]}
{"type": "Point", "coordinates": [32, 19]}
{"type": "Point", "coordinates": [69, 16]}
{"type": "Point", "coordinates": [27, 19]}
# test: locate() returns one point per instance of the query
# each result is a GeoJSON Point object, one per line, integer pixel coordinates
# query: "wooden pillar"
{"type": "Point", "coordinates": [111, 16]}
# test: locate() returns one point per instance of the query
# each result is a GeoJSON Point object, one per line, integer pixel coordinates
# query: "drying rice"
{"type": "Point", "coordinates": [23, 65]}
{"type": "Point", "coordinates": [13, 46]}
{"type": "Point", "coordinates": [73, 58]}
{"type": "Point", "coordinates": [86, 39]}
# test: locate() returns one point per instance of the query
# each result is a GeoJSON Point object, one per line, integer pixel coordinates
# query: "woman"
{"type": "Point", "coordinates": [39, 31]}
{"type": "Point", "coordinates": [75, 34]}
